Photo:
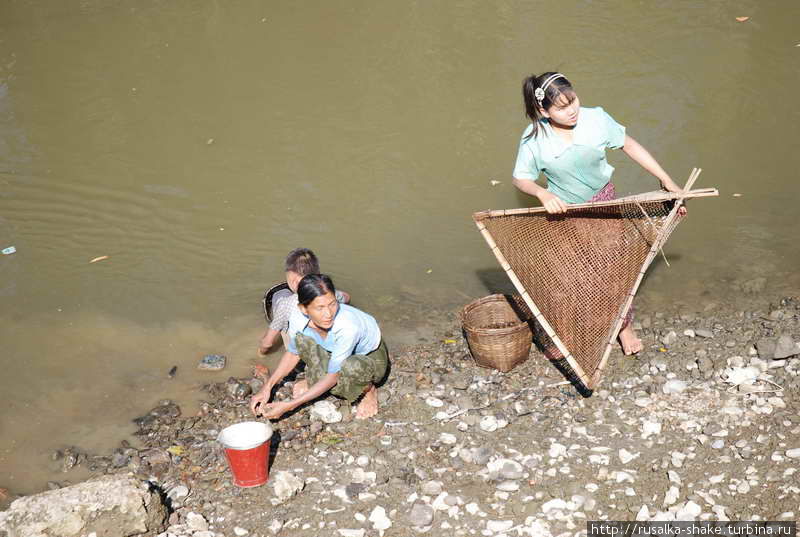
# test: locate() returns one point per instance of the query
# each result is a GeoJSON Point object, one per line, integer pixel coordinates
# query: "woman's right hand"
{"type": "Point", "coordinates": [261, 398]}
{"type": "Point", "coordinates": [552, 203]}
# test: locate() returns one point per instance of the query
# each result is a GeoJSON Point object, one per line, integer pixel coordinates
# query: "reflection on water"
{"type": "Point", "coordinates": [195, 143]}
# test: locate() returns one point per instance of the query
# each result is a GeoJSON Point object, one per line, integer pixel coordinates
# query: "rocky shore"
{"type": "Point", "coordinates": [704, 424]}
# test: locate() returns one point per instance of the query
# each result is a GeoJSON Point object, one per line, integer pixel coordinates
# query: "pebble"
{"type": "Point", "coordinates": [421, 515]}
{"type": "Point", "coordinates": [499, 526]}
{"type": "Point", "coordinates": [434, 402]}
{"type": "Point", "coordinates": [275, 526]}
{"type": "Point", "coordinates": [671, 496]}
{"type": "Point", "coordinates": [360, 532]}
{"type": "Point", "coordinates": [556, 503]}
{"type": "Point", "coordinates": [674, 386]}
{"type": "Point", "coordinates": [785, 347]}
{"type": "Point", "coordinates": [689, 332]}
{"type": "Point", "coordinates": [196, 522]}
{"type": "Point", "coordinates": [379, 519]}
{"type": "Point", "coordinates": [286, 485]}
{"type": "Point", "coordinates": [326, 412]}
{"type": "Point", "coordinates": [431, 488]}
{"type": "Point", "coordinates": [704, 333]}
{"type": "Point", "coordinates": [447, 438]}
{"type": "Point", "coordinates": [488, 424]}
{"type": "Point", "coordinates": [793, 453]}
{"type": "Point", "coordinates": [556, 450]}
{"type": "Point", "coordinates": [178, 492]}
{"type": "Point", "coordinates": [240, 532]}
{"type": "Point", "coordinates": [626, 456]}
{"type": "Point", "coordinates": [669, 338]}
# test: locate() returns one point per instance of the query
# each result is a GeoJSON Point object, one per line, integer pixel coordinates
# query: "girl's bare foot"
{"type": "Point", "coordinates": [368, 406]}
{"type": "Point", "coordinates": [300, 387]}
{"type": "Point", "coordinates": [630, 343]}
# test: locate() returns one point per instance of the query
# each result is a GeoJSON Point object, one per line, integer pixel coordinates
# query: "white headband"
{"type": "Point", "coordinates": [539, 92]}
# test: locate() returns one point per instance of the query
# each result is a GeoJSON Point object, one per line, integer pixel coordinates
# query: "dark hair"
{"type": "Point", "coordinates": [302, 261]}
{"type": "Point", "coordinates": [557, 87]}
{"type": "Point", "coordinates": [312, 286]}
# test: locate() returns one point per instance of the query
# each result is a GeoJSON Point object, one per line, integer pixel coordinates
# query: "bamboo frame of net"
{"type": "Point", "coordinates": [590, 379]}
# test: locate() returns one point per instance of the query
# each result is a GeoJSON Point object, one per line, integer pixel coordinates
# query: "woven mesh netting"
{"type": "Point", "coordinates": [580, 268]}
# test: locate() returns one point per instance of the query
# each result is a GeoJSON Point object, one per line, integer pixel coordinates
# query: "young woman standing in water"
{"type": "Point", "coordinates": [567, 144]}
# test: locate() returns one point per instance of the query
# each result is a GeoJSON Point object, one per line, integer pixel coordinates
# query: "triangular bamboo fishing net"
{"type": "Point", "coordinates": [578, 272]}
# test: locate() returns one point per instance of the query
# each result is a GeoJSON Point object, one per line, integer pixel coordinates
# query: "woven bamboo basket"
{"type": "Point", "coordinates": [496, 335]}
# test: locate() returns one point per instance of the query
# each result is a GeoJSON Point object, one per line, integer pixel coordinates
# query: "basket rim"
{"type": "Point", "coordinates": [485, 300]}
{"type": "Point", "coordinates": [266, 302]}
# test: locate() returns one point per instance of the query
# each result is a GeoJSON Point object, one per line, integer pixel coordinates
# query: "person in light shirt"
{"type": "Point", "coordinates": [341, 347]}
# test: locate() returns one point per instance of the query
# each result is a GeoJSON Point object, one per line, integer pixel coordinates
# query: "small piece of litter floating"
{"type": "Point", "coordinates": [429, 271]}
{"type": "Point", "coordinates": [737, 195]}
{"type": "Point", "coordinates": [450, 341]}
{"type": "Point", "coordinates": [209, 141]}
{"type": "Point", "coordinates": [742, 19]}
{"type": "Point", "coordinates": [10, 250]}
{"type": "Point", "coordinates": [96, 259]}
{"type": "Point", "coordinates": [494, 183]}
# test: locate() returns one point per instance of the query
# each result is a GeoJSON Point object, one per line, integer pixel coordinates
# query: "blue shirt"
{"type": "Point", "coordinates": [353, 332]}
{"type": "Point", "coordinates": [575, 172]}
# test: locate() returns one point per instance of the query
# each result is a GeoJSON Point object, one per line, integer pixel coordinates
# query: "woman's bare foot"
{"type": "Point", "coordinates": [368, 406]}
{"type": "Point", "coordinates": [630, 343]}
{"type": "Point", "coordinates": [300, 387]}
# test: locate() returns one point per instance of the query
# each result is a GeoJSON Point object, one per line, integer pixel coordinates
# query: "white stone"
{"type": "Point", "coordinates": [488, 424]}
{"type": "Point", "coordinates": [793, 453]}
{"type": "Point", "coordinates": [643, 514]}
{"type": "Point", "coordinates": [240, 532]}
{"type": "Point", "coordinates": [556, 450]}
{"type": "Point", "coordinates": [671, 496]}
{"type": "Point", "coordinates": [674, 386]}
{"type": "Point", "coordinates": [286, 485]}
{"type": "Point", "coordinates": [599, 459]}
{"type": "Point", "coordinates": [472, 508]}
{"type": "Point", "coordinates": [379, 519]}
{"type": "Point", "coordinates": [690, 511]}
{"type": "Point", "coordinates": [326, 412]}
{"type": "Point", "coordinates": [738, 375]}
{"type": "Point", "coordinates": [674, 477]}
{"type": "Point", "coordinates": [178, 492]}
{"type": "Point", "coordinates": [434, 402]}
{"type": "Point", "coordinates": [718, 444]}
{"type": "Point", "coordinates": [447, 438]}
{"type": "Point", "coordinates": [275, 526]}
{"type": "Point", "coordinates": [743, 487]}
{"type": "Point", "coordinates": [714, 479]}
{"type": "Point", "coordinates": [432, 488]}
{"type": "Point", "coordinates": [556, 503]}
{"type": "Point", "coordinates": [650, 428]}
{"type": "Point", "coordinates": [626, 456]}
{"type": "Point", "coordinates": [689, 332]}
{"type": "Point", "coordinates": [508, 486]}
{"type": "Point", "coordinates": [499, 526]}
{"type": "Point", "coordinates": [196, 522]}
{"type": "Point", "coordinates": [352, 533]}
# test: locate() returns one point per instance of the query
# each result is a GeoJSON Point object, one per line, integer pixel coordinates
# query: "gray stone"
{"type": "Point", "coordinates": [784, 348]}
{"type": "Point", "coordinates": [108, 505]}
{"type": "Point", "coordinates": [481, 455]}
{"type": "Point", "coordinates": [700, 332]}
{"type": "Point", "coordinates": [212, 362]}
{"type": "Point", "coordinates": [421, 515]}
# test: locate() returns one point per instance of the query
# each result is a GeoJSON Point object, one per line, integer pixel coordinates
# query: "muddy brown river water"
{"type": "Point", "coordinates": [195, 143]}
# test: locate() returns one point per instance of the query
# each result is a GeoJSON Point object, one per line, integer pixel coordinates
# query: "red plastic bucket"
{"type": "Point", "coordinates": [247, 450]}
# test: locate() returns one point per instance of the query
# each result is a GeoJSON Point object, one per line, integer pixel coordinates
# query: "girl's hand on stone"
{"type": "Point", "coordinates": [552, 203]}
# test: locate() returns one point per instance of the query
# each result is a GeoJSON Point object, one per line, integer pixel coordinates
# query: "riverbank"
{"type": "Point", "coordinates": [459, 450]}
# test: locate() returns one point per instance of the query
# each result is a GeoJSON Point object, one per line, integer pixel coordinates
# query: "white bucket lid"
{"type": "Point", "coordinates": [245, 435]}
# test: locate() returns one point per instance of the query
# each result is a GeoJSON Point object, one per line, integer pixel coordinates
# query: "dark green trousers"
{"type": "Point", "coordinates": [358, 371]}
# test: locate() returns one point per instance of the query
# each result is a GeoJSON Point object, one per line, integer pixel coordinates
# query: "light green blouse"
{"type": "Point", "coordinates": [575, 172]}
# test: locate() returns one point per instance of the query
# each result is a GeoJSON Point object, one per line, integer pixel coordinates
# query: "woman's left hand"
{"type": "Point", "coordinates": [273, 411]}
